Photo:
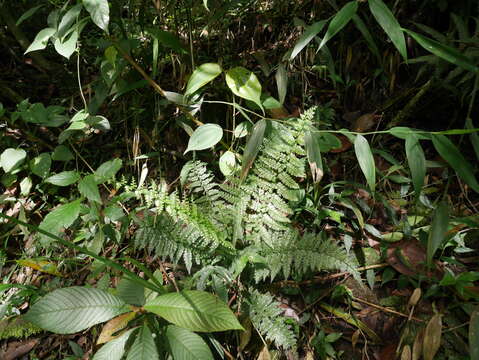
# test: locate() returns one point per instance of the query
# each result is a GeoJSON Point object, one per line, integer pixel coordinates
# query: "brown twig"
{"type": "Point", "coordinates": [385, 309]}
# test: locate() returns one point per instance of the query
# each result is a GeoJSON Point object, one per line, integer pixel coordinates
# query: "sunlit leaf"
{"type": "Point", "coordinates": [99, 12]}
{"type": "Point", "coordinates": [201, 76]}
{"type": "Point", "coordinates": [41, 40]}
{"type": "Point", "coordinates": [204, 137]}
{"type": "Point", "coordinates": [62, 217]}
{"type": "Point", "coordinates": [12, 159]}
{"type": "Point", "coordinates": [64, 178]}
{"type": "Point", "coordinates": [244, 84]}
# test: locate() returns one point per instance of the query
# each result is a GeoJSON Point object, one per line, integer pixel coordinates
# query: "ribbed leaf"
{"type": "Point", "coordinates": [194, 310]}
{"type": "Point", "coordinates": [308, 35]}
{"type": "Point", "coordinates": [73, 309]}
{"type": "Point", "coordinates": [416, 161]}
{"type": "Point", "coordinates": [62, 217]}
{"type": "Point", "coordinates": [114, 349]}
{"type": "Point", "coordinates": [390, 25]}
{"type": "Point", "coordinates": [201, 76]}
{"type": "Point", "coordinates": [144, 347]}
{"type": "Point", "coordinates": [451, 154]}
{"type": "Point", "coordinates": [340, 20]}
{"type": "Point", "coordinates": [443, 51]}
{"type": "Point", "coordinates": [366, 160]}
{"type": "Point", "coordinates": [187, 345]}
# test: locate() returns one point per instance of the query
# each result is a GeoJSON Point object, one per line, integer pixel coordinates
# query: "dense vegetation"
{"type": "Point", "coordinates": [239, 179]}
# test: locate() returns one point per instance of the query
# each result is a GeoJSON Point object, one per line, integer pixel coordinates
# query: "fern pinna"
{"type": "Point", "coordinates": [212, 221]}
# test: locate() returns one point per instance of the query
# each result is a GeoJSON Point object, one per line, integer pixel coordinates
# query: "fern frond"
{"type": "Point", "coordinates": [265, 315]}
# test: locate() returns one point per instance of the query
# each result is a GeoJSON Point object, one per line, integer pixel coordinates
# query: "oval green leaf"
{"type": "Point", "coordinates": [64, 178]}
{"type": "Point", "coordinates": [228, 163]}
{"type": "Point", "coordinates": [12, 159]}
{"type": "Point", "coordinates": [366, 160]}
{"type": "Point", "coordinates": [88, 188]}
{"type": "Point", "coordinates": [40, 165]}
{"type": "Point", "coordinates": [187, 345]}
{"type": "Point", "coordinates": [340, 20]}
{"type": "Point", "coordinates": [281, 82]}
{"type": "Point", "coordinates": [245, 84]}
{"type": "Point", "coordinates": [41, 40]}
{"type": "Point", "coordinates": [60, 218]}
{"type": "Point", "coordinates": [451, 154]}
{"type": "Point", "coordinates": [107, 170]}
{"type": "Point", "coordinates": [204, 137]}
{"type": "Point", "coordinates": [390, 25]}
{"type": "Point", "coordinates": [201, 76]}
{"type": "Point", "coordinates": [73, 309]}
{"type": "Point", "coordinates": [194, 310]}
{"type": "Point", "coordinates": [144, 347]}
{"type": "Point", "coordinates": [99, 12]}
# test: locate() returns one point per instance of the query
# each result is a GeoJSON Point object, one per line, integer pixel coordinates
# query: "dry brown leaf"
{"type": "Point", "coordinates": [365, 122]}
{"type": "Point", "coordinates": [432, 337]}
{"type": "Point", "coordinates": [264, 354]}
{"type": "Point", "coordinates": [113, 326]}
{"type": "Point", "coordinates": [406, 353]}
{"type": "Point", "coordinates": [245, 336]}
{"type": "Point", "coordinates": [416, 295]}
{"type": "Point", "coordinates": [417, 346]}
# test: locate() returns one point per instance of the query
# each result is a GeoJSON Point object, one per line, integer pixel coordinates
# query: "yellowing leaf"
{"type": "Point", "coordinates": [41, 265]}
{"type": "Point", "coordinates": [113, 326]}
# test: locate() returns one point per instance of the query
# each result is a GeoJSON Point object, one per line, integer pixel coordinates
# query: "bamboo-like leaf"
{"type": "Point", "coordinates": [366, 160]}
{"type": "Point", "coordinates": [452, 155]}
{"type": "Point", "coordinates": [417, 162]}
{"type": "Point", "coordinates": [390, 25]}
{"type": "Point", "coordinates": [444, 51]}
{"type": "Point", "coordinates": [252, 147]}
{"type": "Point", "coordinates": [281, 82]}
{"type": "Point", "coordinates": [474, 137]}
{"type": "Point", "coordinates": [340, 20]}
{"type": "Point", "coordinates": [438, 230]}
{"type": "Point", "coordinates": [187, 345]}
{"type": "Point", "coordinates": [474, 335]}
{"type": "Point", "coordinates": [194, 310]}
{"type": "Point", "coordinates": [313, 150]}
{"type": "Point", "coordinates": [308, 35]}
{"type": "Point", "coordinates": [73, 309]}
{"type": "Point", "coordinates": [201, 76]}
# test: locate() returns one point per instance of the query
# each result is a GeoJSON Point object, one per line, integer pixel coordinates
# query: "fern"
{"type": "Point", "coordinates": [265, 315]}
{"type": "Point", "coordinates": [16, 327]}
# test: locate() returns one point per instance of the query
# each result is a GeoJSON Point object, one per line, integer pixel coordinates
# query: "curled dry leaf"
{"type": "Point", "coordinates": [432, 337]}
{"type": "Point", "coordinates": [416, 295]}
{"type": "Point", "coordinates": [113, 326]}
{"type": "Point", "coordinates": [264, 354]}
{"type": "Point", "coordinates": [406, 353]}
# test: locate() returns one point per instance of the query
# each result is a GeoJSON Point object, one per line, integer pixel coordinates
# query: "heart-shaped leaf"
{"type": "Point", "coordinates": [204, 137]}
{"type": "Point", "coordinates": [245, 84]}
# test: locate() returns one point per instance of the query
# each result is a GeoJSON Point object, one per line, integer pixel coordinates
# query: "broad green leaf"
{"type": "Point", "coordinates": [11, 159]}
{"type": "Point", "coordinates": [227, 163]}
{"type": "Point", "coordinates": [313, 150]}
{"type": "Point", "coordinates": [416, 162]}
{"type": "Point", "coordinates": [131, 292]}
{"type": "Point", "coordinates": [99, 12]}
{"type": "Point", "coordinates": [252, 147]}
{"type": "Point", "coordinates": [194, 310]}
{"type": "Point", "coordinates": [474, 334]}
{"type": "Point", "coordinates": [444, 51]}
{"type": "Point", "coordinates": [77, 125]}
{"type": "Point", "coordinates": [62, 153]}
{"type": "Point", "coordinates": [73, 309]}
{"type": "Point", "coordinates": [114, 349]}
{"type": "Point", "coordinates": [144, 347]}
{"type": "Point", "coordinates": [40, 165]}
{"type": "Point", "coordinates": [107, 170]}
{"type": "Point", "coordinates": [242, 129]}
{"type": "Point", "coordinates": [62, 217]}
{"type": "Point", "coordinates": [201, 76]}
{"type": "Point", "coordinates": [309, 33]}
{"type": "Point", "coordinates": [89, 189]}
{"type": "Point", "coordinates": [204, 137]}
{"type": "Point", "coordinates": [403, 132]}
{"type": "Point", "coordinates": [41, 40]}
{"type": "Point", "coordinates": [67, 47]}
{"type": "Point", "coordinates": [366, 160]}
{"type": "Point", "coordinates": [25, 186]}
{"type": "Point", "coordinates": [340, 20]}
{"type": "Point", "coordinates": [27, 14]}
{"type": "Point", "coordinates": [67, 21]}
{"type": "Point", "coordinates": [432, 337]}
{"type": "Point", "coordinates": [281, 82]}
{"type": "Point", "coordinates": [474, 137]}
{"type": "Point", "coordinates": [187, 345]}
{"type": "Point", "coordinates": [245, 84]}
{"type": "Point", "coordinates": [451, 154]}
{"type": "Point", "coordinates": [80, 116]}
{"type": "Point", "coordinates": [64, 178]}
{"type": "Point", "coordinates": [437, 232]}
{"type": "Point", "coordinates": [390, 25]}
